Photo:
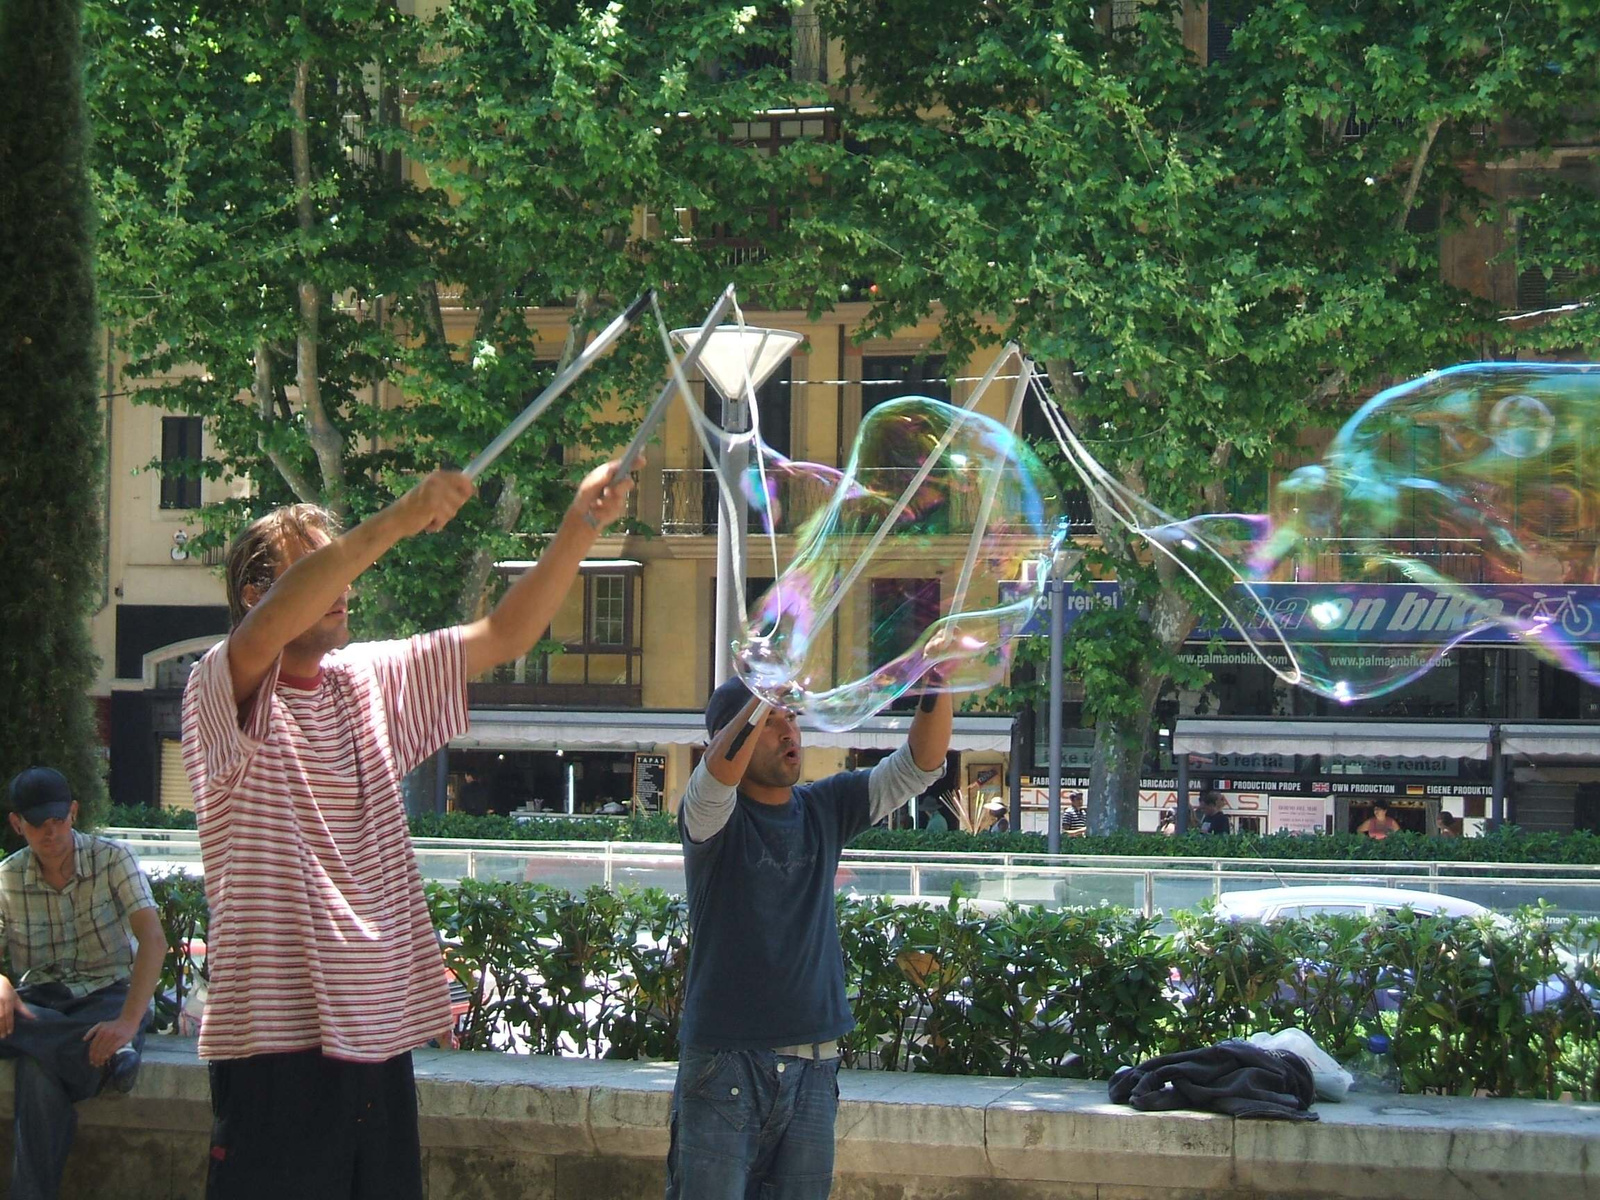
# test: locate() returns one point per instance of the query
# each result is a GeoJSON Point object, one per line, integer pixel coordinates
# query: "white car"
{"type": "Point", "coordinates": [1340, 899]}
{"type": "Point", "coordinates": [1360, 900]}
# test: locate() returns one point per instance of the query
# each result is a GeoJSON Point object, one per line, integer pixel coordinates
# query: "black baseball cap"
{"type": "Point", "coordinates": [40, 794]}
{"type": "Point", "coordinates": [725, 704]}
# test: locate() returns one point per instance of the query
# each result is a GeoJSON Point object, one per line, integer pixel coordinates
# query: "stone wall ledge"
{"type": "Point", "coordinates": [563, 1129]}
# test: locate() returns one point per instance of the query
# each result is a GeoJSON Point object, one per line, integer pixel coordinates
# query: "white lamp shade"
{"type": "Point", "coordinates": [734, 352]}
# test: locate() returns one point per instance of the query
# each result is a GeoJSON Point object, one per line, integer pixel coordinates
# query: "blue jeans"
{"type": "Point", "coordinates": [53, 1073]}
{"type": "Point", "coordinates": [752, 1125]}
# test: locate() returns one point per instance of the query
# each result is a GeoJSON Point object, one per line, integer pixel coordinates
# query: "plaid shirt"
{"type": "Point", "coordinates": [77, 937]}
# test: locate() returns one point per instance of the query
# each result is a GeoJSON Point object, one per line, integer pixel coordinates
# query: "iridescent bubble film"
{"type": "Point", "coordinates": [891, 570]}
{"type": "Point", "coordinates": [1460, 507]}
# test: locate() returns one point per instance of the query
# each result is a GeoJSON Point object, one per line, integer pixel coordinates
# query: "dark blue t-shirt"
{"type": "Point", "coordinates": [765, 968]}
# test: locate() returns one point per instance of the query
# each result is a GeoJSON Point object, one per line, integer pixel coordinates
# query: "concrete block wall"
{"type": "Point", "coordinates": [496, 1126]}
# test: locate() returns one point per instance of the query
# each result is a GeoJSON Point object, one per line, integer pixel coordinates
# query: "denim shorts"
{"type": "Point", "coordinates": [752, 1123]}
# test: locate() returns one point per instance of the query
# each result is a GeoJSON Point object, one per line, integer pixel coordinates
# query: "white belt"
{"type": "Point", "coordinates": [816, 1051]}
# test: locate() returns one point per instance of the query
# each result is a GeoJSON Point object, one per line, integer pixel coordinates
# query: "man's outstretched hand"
{"type": "Point", "coordinates": [11, 1007]}
{"type": "Point", "coordinates": [601, 498]}
{"type": "Point", "coordinates": [106, 1038]}
{"type": "Point", "coordinates": [428, 507]}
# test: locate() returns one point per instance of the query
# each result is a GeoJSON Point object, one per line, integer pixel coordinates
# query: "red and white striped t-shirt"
{"type": "Point", "coordinates": [319, 934]}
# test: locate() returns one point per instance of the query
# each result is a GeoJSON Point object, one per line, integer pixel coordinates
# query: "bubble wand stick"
{"type": "Point", "coordinates": [558, 385]}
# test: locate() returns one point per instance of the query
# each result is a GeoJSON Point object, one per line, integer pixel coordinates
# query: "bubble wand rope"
{"type": "Point", "coordinates": [676, 385]}
{"type": "Point", "coordinates": [1123, 504]}
{"type": "Point", "coordinates": [991, 485]}
{"type": "Point", "coordinates": [558, 385]}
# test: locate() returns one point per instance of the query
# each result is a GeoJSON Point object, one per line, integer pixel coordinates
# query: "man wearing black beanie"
{"type": "Point", "coordinates": [757, 1090]}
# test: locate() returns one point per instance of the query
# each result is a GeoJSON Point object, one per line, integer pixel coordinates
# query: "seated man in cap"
{"type": "Point", "coordinates": [764, 1006]}
{"type": "Point", "coordinates": [71, 907]}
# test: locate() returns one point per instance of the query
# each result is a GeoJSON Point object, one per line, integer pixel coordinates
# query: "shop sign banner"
{"type": "Point", "coordinates": [649, 779]}
{"type": "Point", "coordinates": [1397, 614]}
{"type": "Point", "coordinates": [1289, 814]}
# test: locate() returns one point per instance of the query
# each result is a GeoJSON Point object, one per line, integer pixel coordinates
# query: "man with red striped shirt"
{"type": "Point", "coordinates": [325, 970]}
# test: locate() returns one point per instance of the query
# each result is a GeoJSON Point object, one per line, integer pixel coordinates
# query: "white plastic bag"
{"type": "Point", "coordinates": [1328, 1079]}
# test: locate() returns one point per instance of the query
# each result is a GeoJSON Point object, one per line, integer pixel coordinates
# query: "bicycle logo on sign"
{"type": "Point", "coordinates": [1548, 609]}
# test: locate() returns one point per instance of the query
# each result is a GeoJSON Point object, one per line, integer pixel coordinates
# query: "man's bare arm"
{"type": "Point", "coordinates": [929, 736]}
{"type": "Point", "coordinates": [709, 799]}
{"type": "Point", "coordinates": [526, 610]}
{"type": "Point", "coordinates": [106, 1038]}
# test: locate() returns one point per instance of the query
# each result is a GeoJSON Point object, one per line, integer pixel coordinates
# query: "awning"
{"type": "Point", "coordinates": [1577, 740]}
{"type": "Point", "coordinates": [972, 731]}
{"type": "Point", "coordinates": [1406, 739]}
{"type": "Point", "coordinates": [646, 729]}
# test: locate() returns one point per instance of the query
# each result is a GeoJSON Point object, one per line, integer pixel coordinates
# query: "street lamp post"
{"type": "Point", "coordinates": [736, 360]}
{"type": "Point", "coordinates": [1058, 619]}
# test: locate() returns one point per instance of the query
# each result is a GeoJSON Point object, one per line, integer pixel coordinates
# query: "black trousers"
{"type": "Point", "coordinates": [53, 1073]}
{"type": "Point", "coordinates": [314, 1128]}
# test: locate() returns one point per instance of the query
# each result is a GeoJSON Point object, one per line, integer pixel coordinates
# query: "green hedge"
{"type": "Point", "coordinates": [655, 827]}
{"type": "Point", "coordinates": [1506, 845]}
{"type": "Point", "coordinates": [1027, 992]}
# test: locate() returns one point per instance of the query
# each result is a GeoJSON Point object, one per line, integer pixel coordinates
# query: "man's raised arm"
{"type": "Point", "coordinates": [919, 762]}
{"type": "Point", "coordinates": [929, 736]}
{"type": "Point", "coordinates": [526, 610]}
{"type": "Point", "coordinates": [305, 592]}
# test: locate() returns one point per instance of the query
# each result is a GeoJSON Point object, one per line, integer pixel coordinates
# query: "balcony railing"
{"type": "Point", "coordinates": [689, 502]}
{"type": "Point", "coordinates": [1460, 559]}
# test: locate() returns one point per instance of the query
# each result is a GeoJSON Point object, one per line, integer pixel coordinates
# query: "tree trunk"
{"type": "Point", "coordinates": [507, 511]}
{"type": "Point", "coordinates": [327, 442]}
{"type": "Point", "coordinates": [1114, 775]}
{"type": "Point", "coordinates": [1120, 747]}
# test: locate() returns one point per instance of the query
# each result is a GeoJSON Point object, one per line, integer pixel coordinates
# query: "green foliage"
{"type": "Point", "coordinates": [553, 972]}
{"type": "Point", "coordinates": [148, 816]}
{"type": "Point", "coordinates": [1509, 844]}
{"type": "Point", "coordinates": [181, 901]}
{"type": "Point", "coordinates": [359, 287]}
{"type": "Point", "coordinates": [1209, 259]}
{"type": "Point", "coordinates": [651, 827]}
{"type": "Point", "coordinates": [950, 990]}
{"type": "Point", "coordinates": [1028, 992]}
{"type": "Point", "coordinates": [50, 421]}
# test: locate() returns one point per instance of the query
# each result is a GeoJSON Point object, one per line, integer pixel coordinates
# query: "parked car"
{"type": "Point", "coordinates": [1340, 899]}
{"type": "Point", "coordinates": [1364, 900]}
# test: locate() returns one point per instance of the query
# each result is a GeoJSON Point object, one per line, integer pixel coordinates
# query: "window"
{"type": "Point", "coordinates": [1536, 290]}
{"type": "Point", "coordinates": [1300, 912]}
{"type": "Point", "coordinates": [1222, 18]}
{"type": "Point", "coordinates": [1035, 427]}
{"type": "Point", "coordinates": [180, 446]}
{"type": "Point", "coordinates": [890, 376]}
{"type": "Point", "coordinates": [740, 235]}
{"type": "Point", "coordinates": [770, 45]}
{"type": "Point", "coordinates": [608, 610]}
{"type": "Point", "coordinates": [773, 402]}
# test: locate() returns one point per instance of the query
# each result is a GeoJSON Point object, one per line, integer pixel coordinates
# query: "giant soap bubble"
{"type": "Point", "coordinates": [1462, 505]}
{"type": "Point", "coordinates": [893, 583]}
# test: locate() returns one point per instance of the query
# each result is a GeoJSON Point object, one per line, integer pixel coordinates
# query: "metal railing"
{"type": "Point", "coordinates": [1151, 885]}
{"type": "Point", "coordinates": [1372, 560]}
